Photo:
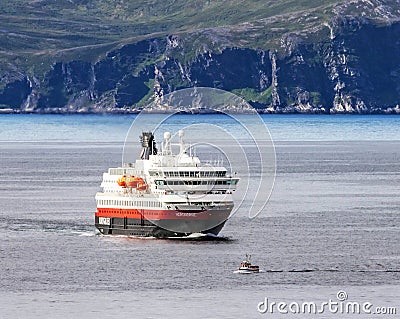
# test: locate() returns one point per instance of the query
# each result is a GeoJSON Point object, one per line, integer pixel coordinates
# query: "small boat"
{"type": "Point", "coordinates": [246, 267]}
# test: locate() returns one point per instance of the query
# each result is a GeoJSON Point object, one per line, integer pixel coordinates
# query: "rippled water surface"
{"type": "Point", "coordinates": [332, 223]}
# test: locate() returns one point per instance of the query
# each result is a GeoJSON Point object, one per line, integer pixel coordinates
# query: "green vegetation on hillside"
{"type": "Point", "coordinates": [250, 94]}
{"type": "Point", "coordinates": [69, 27]}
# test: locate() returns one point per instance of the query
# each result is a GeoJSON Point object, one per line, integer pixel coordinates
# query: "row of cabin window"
{"type": "Point", "coordinates": [122, 171]}
{"type": "Point", "coordinates": [110, 181]}
{"type": "Point", "coordinates": [129, 203]}
{"type": "Point", "coordinates": [117, 171]}
{"type": "Point", "coordinates": [191, 174]}
{"type": "Point", "coordinates": [227, 182]}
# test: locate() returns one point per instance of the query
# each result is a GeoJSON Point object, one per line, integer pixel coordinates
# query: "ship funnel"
{"type": "Point", "coordinates": [148, 145]}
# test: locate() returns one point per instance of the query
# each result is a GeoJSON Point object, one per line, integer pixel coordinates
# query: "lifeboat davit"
{"type": "Point", "coordinates": [122, 181]}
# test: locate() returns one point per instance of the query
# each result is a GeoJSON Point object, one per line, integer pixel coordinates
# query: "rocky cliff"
{"type": "Point", "coordinates": [344, 59]}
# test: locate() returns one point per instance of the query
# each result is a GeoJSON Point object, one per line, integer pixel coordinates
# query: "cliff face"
{"type": "Point", "coordinates": [349, 65]}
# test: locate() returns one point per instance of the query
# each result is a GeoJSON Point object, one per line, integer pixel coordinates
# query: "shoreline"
{"type": "Point", "coordinates": [194, 112]}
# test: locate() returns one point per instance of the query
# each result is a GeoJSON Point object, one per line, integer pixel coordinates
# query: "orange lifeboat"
{"type": "Point", "coordinates": [133, 181]}
{"type": "Point", "coordinates": [141, 184]}
{"type": "Point", "coordinates": [122, 181]}
{"type": "Point", "coordinates": [141, 187]}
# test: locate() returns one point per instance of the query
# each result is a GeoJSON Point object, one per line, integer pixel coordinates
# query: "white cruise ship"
{"type": "Point", "coordinates": [163, 194]}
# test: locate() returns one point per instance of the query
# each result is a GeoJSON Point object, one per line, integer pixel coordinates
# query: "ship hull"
{"type": "Point", "coordinates": [160, 224]}
{"type": "Point", "coordinates": [149, 230]}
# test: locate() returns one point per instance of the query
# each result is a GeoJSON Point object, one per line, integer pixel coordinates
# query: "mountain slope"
{"type": "Point", "coordinates": [281, 56]}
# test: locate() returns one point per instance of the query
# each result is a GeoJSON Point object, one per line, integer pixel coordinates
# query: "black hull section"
{"type": "Point", "coordinates": [120, 226]}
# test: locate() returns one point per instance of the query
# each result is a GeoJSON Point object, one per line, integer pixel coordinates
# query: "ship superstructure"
{"type": "Point", "coordinates": [163, 194]}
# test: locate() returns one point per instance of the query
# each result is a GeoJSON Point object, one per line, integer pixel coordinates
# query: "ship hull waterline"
{"type": "Point", "coordinates": [144, 223]}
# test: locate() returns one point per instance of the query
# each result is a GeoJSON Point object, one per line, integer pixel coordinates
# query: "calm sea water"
{"type": "Point", "coordinates": [332, 223]}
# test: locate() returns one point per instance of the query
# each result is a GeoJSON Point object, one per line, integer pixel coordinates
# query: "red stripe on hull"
{"type": "Point", "coordinates": [164, 214]}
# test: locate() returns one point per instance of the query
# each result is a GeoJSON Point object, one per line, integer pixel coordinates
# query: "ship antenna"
{"type": "Point", "coordinates": [181, 142]}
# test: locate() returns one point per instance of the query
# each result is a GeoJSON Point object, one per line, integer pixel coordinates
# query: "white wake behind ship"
{"type": "Point", "coordinates": [165, 194]}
